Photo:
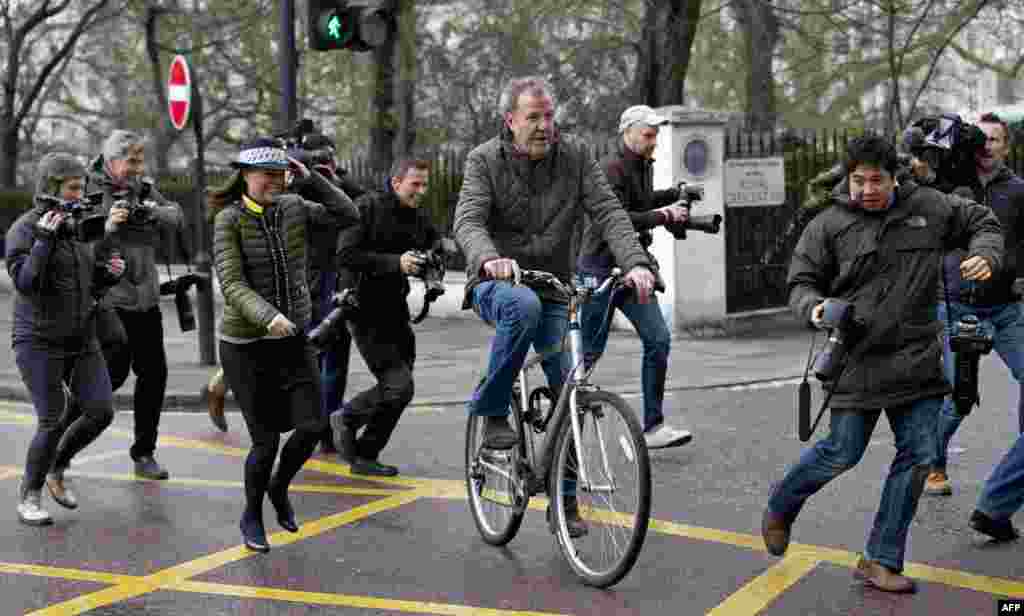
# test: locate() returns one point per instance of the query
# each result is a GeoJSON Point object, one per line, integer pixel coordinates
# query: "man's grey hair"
{"type": "Point", "coordinates": [119, 143]}
{"type": "Point", "coordinates": [537, 86]}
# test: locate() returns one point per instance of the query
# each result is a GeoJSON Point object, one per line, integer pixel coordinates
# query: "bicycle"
{"type": "Point", "coordinates": [598, 451]}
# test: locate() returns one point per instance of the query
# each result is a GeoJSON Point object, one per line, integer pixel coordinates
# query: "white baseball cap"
{"type": "Point", "coordinates": [640, 114]}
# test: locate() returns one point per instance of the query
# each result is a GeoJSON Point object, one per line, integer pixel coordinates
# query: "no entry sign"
{"type": "Point", "coordinates": [179, 92]}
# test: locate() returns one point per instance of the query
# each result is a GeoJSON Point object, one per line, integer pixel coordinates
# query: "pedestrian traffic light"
{"type": "Point", "coordinates": [336, 24]}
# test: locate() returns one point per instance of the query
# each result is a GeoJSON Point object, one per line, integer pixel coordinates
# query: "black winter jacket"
{"type": "Point", "coordinates": [887, 265]}
{"type": "Point", "coordinates": [1004, 194]}
{"type": "Point", "coordinates": [632, 179]}
{"type": "Point", "coordinates": [55, 282]}
{"type": "Point", "coordinates": [371, 251]}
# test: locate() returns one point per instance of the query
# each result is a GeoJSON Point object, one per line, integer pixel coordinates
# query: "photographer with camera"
{"type": "Point", "coordinates": [629, 170]}
{"type": "Point", "coordinates": [118, 173]}
{"type": "Point", "coordinates": [58, 269]}
{"type": "Point", "coordinates": [323, 278]}
{"type": "Point", "coordinates": [878, 249]}
{"type": "Point", "coordinates": [994, 304]}
{"type": "Point", "coordinates": [381, 251]}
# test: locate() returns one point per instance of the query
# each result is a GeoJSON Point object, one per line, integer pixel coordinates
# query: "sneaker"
{"type": "Point", "coordinates": [344, 436]}
{"type": "Point", "coordinates": [663, 436]}
{"type": "Point", "coordinates": [498, 434]}
{"type": "Point", "coordinates": [999, 530]}
{"type": "Point", "coordinates": [364, 466]}
{"type": "Point", "coordinates": [30, 510]}
{"type": "Point", "coordinates": [881, 577]}
{"type": "Point", "coordinates": [60, 490]}
{"type": "Point", "coordinates": [148, 467]}
{"type": "Point", "coordinates": [216, 391]}
{"type": "Point", "coordinates": [938, 484]}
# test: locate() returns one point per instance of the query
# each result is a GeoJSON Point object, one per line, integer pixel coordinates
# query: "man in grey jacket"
{"type": "Point", "coordinates": [523, 199]}
{"type": "Point", "coordinates": [118, 172]}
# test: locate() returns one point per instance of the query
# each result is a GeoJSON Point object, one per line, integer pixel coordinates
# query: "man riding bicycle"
{"type": "Point", "coordinates": [522, 203]}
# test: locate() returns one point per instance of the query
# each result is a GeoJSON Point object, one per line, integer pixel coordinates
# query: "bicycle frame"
{"type": "Point", "coordinates": [577, 380]}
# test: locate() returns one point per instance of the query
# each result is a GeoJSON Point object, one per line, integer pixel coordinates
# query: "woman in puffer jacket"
{"type": "Point", "coordinates": [59, 270]}
{"type": "Point", "coordinates": [260, 238]}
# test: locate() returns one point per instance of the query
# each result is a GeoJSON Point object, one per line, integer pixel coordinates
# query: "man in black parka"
{"type": "Point", "coordinates": [879, 247]}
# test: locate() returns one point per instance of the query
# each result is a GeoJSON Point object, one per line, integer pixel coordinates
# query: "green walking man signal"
{"type": "Point", "coordinates": [336, 24]}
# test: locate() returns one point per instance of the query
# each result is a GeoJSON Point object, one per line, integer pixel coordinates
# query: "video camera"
{"type": "Point", "coordinates": [706, 223]}
{"type": "Point", "coordinates": [969, 344]}
{"type": "Point", "coordinates": [79, 224]}
{"type": "Point", "coordinates": [948, 145]}
{"type": "Point", "coordinates": [294, 143]}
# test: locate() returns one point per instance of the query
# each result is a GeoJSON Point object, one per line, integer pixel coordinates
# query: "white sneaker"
{"type": "Point", "coordinates": [30, 510]}
{"type": "Point", "coordinates": [662, 436]}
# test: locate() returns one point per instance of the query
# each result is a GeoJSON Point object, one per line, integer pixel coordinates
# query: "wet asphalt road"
{"type": "Point", "coordinates": [409, 546]}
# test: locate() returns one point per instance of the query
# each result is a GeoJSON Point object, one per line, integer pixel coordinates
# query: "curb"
{"type": "Point", "coordinates": [179, 401]}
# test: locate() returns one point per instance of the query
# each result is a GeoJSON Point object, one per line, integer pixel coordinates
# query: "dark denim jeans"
{"type": "Point", "coordinates": [913, 427]}
{"type": "Point", "coordinates": [1005, 323]}
{"type": "Point", "coordinates": [1003, 493]}
{"type": "Point", "coordinates": [654, 335]}
{"type": "Point", "coordinates": [520, 319]}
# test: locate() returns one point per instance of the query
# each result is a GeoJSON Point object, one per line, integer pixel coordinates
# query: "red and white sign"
{"type": "Point", "coordinates": [179, 92]}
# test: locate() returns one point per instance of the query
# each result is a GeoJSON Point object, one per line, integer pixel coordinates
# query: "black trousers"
{"type": "Point", "coordinates": [277, 386]}
{"type": "Point", "coordinates": [388, 347]}
{"type": "Point", "coordinates": [143, 353]}
{"type": "Point", "coordinates": [62, 430]}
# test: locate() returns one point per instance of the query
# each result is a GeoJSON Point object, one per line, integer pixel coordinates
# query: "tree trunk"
{"type": "Point", "coordinates": [669, 29]}
{"type": "Point", "coordinates": [8, 154]}
{"type": "Point", "coordinates": [760, 36]}
{"type": "Point", "coordinates": [405, 90]}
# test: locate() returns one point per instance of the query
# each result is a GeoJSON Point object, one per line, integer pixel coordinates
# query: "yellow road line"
{"type": "Point", "coordinates": [962, 579]}
{"type": "Point", "coordinates": [373, 603]}
{"type": "Point", "coordinates": [216, 483]}
{"type": "Point", "coordinates": [77, 575]}
{"type": "Point", "coordinates": [765, 588]}
{"type": "Point", "coordinates": [177, 574]}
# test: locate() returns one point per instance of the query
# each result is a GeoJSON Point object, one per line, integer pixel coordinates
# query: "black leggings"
{"type": "Point", "coordinates": [60, 436]}
{"type": "Point", "coordinates": [277, 386]}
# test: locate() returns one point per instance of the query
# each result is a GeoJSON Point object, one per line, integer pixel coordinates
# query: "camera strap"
{"type": "Point", "coordinates": [804, 426]}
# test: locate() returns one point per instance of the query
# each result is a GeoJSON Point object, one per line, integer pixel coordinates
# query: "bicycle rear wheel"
{"type": "Point", "coordinates": [497, 502]}
{"type": "Point", "coordinates": [615, 503]}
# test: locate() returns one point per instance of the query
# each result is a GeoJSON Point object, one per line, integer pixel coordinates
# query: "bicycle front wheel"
{"type": "Point", "coordinates": [614, 503]}
{"type": "Point", "coordinates": [497, 498]}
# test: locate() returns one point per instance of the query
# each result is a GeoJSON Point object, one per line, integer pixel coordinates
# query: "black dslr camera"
{"type": "Point", "coordinates": [79, 224]}
{"type": "Point", "coordinates": [706, 223]}
{"type": "Point", "coordinates": [839, 318]}
{"type": "Point", "coordinates": [432, 273]}
{"type": "Point", "coordinates": [345, 305]}
{"type": "Point", "coordinates": [969, 344]}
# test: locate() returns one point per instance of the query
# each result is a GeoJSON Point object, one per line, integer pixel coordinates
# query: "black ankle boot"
{"type": "Point", "coordinates": [278, 496]}
{"type": "Point", "coordinates": [253, 535]}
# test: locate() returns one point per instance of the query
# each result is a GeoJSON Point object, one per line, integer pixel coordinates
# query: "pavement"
{"type": "Point", "coordinates": [452, 347]}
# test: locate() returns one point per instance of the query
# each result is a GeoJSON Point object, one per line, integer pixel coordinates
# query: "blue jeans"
{"type": "Point", "coordinates": [1005, 323]}
{"type": "Point", "coordinates": [1003, 493]}
{"type": "Point", "coordinates": [913, 426]}
{"type": "Point", "coordinates": [654, 335]}
{"type": "Point", "coordinates": [520, 319]}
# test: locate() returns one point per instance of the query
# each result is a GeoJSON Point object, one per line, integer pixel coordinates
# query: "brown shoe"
{"type": "Point", "coordinates": [881, 577]}
{"type": "Point", "coordinates": [216, 391]}
{"type": "Point", "coordinates": [775, 531]}
{"type": "Point", "coordinates": [938, 484]}
{"type": "Point", "coordinates": [60, 490]}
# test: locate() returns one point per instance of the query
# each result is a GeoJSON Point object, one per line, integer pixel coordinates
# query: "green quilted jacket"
{"type": "Point", "coordinates": [261, 259]}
